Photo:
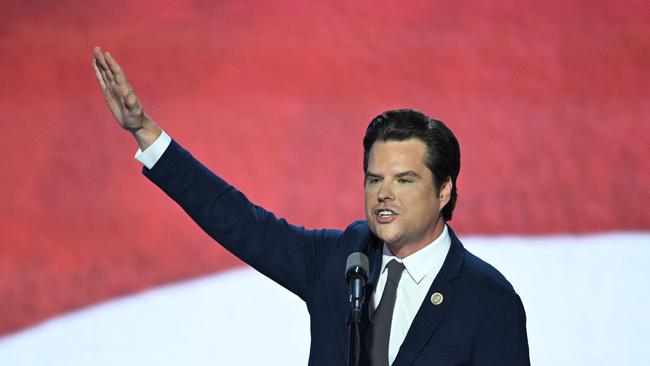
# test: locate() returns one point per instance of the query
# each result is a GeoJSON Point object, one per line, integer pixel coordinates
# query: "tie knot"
{"type": "Point", "coordinates": [395, 270]}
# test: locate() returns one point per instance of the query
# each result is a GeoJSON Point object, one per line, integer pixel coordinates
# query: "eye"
{"type": "Point", "coordinates": [372, 180]}
{"type": "Point", "coordinates": [405, 181]}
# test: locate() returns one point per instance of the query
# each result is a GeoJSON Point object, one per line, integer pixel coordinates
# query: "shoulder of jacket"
{"type": "Point", "coordinates": [485, 276]}
{"type": "Point", "coordinates": [357, 237]}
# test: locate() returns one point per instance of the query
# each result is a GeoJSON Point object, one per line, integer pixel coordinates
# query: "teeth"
{"type": "Point", "coordinates": [385, 213]}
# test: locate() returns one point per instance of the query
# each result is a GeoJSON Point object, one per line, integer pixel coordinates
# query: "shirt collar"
{"type": "Point", "coordinates": [420, 263]}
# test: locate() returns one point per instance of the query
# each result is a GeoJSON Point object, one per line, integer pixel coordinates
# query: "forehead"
{"type": "Point", "coordinates": [396, 156]}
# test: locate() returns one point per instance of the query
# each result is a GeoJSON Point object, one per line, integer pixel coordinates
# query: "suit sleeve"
{"type": "Point", "coordinates": [287, 254]}
{"type": "Point", "coordinates": [502, 339]}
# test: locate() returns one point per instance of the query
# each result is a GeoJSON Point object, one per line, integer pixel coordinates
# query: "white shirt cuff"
{"type": "Point", "coordinates": [150, 156]}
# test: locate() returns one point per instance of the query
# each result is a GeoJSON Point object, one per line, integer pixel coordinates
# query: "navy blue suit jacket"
{"type": "Point", "coordinates": [481, 320]}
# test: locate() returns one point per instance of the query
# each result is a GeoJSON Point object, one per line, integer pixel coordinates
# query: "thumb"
{"type": "Point", "coordinates": [131, 101]}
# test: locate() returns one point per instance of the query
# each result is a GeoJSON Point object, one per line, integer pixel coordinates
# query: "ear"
{"type": "Point", "coordinates": [445, 192]}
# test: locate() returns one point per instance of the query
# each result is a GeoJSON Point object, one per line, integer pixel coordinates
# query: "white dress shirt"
{"type": "Point", "coordinates": [150, 156]}
{"type": "Point", "coordinates": [421, 268]}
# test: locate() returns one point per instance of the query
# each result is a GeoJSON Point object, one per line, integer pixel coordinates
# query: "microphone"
{"type": "Point", "coordinates": [356, 273]}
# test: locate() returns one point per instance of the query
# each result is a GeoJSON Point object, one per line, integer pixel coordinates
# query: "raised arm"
{"type": "Point", "coordinates": [290, 255]}
{"type": "Point", "coordinates": [122, 101]}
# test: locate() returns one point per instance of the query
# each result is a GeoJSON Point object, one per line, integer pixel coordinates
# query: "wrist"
{"type": "Point", "coordinates": [147, 134]}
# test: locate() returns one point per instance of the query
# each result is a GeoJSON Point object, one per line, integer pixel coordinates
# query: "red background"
{"type": "Point", "coordinates": [549, 101]}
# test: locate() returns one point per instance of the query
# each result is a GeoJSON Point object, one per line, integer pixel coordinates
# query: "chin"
{"type": "Point", "coordinates": [387, 235]}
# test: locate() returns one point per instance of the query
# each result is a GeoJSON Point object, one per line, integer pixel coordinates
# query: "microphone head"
{"type": "Point", "coordinates": [357, 262]}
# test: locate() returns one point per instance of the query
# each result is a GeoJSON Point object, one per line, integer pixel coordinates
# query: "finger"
{"type": "Point", "coordinates": [112, 64]}
{"type": "Point", "coordinates": [116, 70]}
{"type": "Point", "coordinates": [97, 51]}
{"type": "Point", "coordinates": [109, 73]}
{"type": "Point", "coordinates": [101, 62]}
{"type": "Point", "coordinates": [99, 57]}
{"type": "Point", "coordinates": [99, 76]}
{"type": "Point", "coordinates": [101, 72]}
{"type": "Point", "coordinates": [104, 77]}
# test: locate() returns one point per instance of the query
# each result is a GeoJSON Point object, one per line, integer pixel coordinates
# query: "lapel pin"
{"type": "Point", "coordinates": [436, 298]}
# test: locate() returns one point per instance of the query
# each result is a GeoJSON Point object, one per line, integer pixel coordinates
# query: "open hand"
{"type": "Point", "coordinates": [118, 93]}
{"type": "Point", "coordinates": [121, 99]}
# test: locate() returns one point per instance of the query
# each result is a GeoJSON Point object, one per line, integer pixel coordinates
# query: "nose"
{"type": "Point", "coordinates": [385, 193]}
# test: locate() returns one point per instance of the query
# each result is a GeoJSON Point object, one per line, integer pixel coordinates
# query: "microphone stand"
{"type": "Point", "coordinates": [355, 343]}
{"type": "Point", "coordinates": [356, 273]}
{"type": "Point", "coordinates": [356, 303]}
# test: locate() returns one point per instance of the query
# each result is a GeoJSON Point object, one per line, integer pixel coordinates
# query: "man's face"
{"type": "Point", "coordinates": [402, 204]}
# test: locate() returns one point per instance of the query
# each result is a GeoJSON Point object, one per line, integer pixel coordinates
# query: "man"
{"type": "Point", "coordinates": [430, 302]}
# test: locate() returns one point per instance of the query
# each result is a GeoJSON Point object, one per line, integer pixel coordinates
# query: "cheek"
{"type": "Point", "coordinates": [425, 205]}
{"type": "Point", "coordinates": [370, 197]}
{"type": "Point", "coordinates": [368, 204]}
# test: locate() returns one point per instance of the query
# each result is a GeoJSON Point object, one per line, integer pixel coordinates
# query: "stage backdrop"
{"type": "Point", "coordinates": [548, 99]}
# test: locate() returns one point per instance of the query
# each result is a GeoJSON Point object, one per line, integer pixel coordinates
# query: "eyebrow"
{"type": "Point", "coordinates": [408, 173]}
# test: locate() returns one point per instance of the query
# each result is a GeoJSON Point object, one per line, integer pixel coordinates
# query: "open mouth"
{"type": "Point", "coordinates": [385, 213]}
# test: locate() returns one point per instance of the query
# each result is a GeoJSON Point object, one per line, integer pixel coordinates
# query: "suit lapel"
{"type": "Point", "coordinates": [429, 315]}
